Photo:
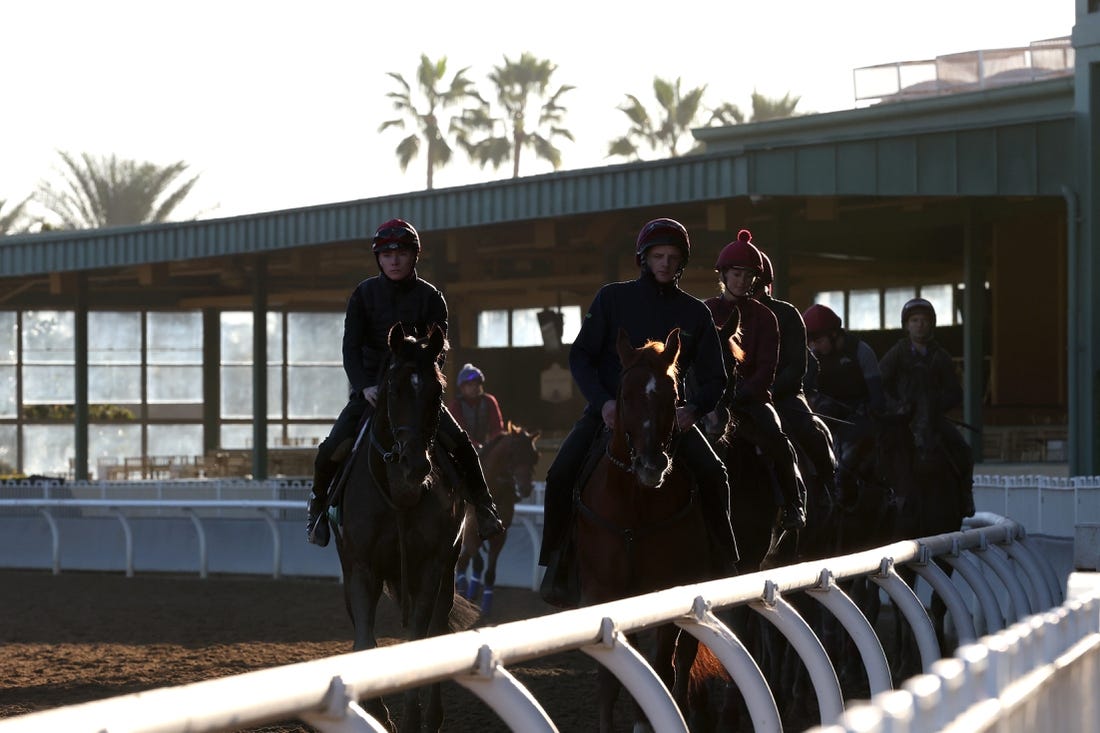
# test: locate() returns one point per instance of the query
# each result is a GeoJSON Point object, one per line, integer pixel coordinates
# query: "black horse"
{"type": "Point", "coordinates": [400, 524]}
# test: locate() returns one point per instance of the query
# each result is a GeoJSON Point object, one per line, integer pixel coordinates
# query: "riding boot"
{"type": "Point", "coordinates": [716, 502]}
{"type": "Point", "coordinates": [476, 492]}
{"type": "Point", "coordinates": [967, 502]}
{"type": "Point", "coordinates": [317, 529]}
{"type": "Point", "coordinates": [794, 508]}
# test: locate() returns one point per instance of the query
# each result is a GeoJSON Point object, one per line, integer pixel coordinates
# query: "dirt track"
{"type": "Point", "coordinates": [79, 637]}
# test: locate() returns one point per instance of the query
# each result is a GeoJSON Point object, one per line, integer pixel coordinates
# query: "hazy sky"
{"type": "Point", "coordinates": [277, 104]}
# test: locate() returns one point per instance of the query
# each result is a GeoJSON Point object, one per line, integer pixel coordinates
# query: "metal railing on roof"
{"type": "Point", "coordinates": [963, 72]}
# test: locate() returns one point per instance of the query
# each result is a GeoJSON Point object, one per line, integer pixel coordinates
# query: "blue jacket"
{"type": "Point", "coordinates": [646, 311]}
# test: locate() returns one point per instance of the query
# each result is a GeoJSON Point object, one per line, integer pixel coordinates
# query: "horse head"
{"type": "Point", "coordinates": [518, 456]}
{"type": "Point", "coordinates": [645, 419]}
{"type": "Point", "coordinates": [408, 410]}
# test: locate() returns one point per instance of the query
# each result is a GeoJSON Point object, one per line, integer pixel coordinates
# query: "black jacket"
{"type": "Point", "coordinates": [373, 308]}
{"type": "Point", "coordinates": [791, 368]}
{"type": "Point", "coordinates": [646, 311]}
{"type": "Point", "coordinates": [908, 375]}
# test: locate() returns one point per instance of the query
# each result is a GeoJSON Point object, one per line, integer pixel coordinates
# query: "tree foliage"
{"type": "Point", "coordinates": [519, 84]}
{"type": "Point", "coordinates": [437, 99]}
{"type": "Point", "coordinates": [108, 191]}
{"type": "Point", "coordinates": [12, 217]}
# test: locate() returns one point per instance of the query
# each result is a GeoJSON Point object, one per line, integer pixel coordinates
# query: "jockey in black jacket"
{"type": "Point", "coordinates": [646, 308]}
{"type": "Point", "coordinates": [395, 295]}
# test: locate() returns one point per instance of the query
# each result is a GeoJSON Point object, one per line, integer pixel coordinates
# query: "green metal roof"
{"type": "Point", "coordinates": [1009, 141]}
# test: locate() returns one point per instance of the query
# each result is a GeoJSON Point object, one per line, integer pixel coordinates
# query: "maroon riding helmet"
{"type": "Point", "coordinates": [741, 253]}
{"type": "Point", "coordinates": [396, 234]}
{"type": "Point", "coordinates": [820, 320]}
{"type": "Point", "coordinates": [662, 231]}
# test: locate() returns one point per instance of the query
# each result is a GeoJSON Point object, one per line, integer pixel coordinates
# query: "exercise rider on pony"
{"type": "Point", "coordinates": [647, 308]}
{"type": "Point", "coordinates": [395, 295]}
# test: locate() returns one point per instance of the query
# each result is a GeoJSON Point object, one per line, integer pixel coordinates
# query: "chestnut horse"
{"type": "Point", "coordinates": [508, 461]}
{"type": "Point", "coordinates": [639, 523]}
{"type": "Point", "coordinates": [399, 523]}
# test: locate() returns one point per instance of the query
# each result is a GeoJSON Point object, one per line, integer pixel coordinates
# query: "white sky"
{"type": "Point", "coordinates": [277, 104]}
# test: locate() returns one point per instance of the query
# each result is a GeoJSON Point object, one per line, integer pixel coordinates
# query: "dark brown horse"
{"type": "Point", "coordinates": [508, 461]}
{"type": "Point", "coordinates": [400, 524]}
{"type": "Point", "coordinates": [639, 524]}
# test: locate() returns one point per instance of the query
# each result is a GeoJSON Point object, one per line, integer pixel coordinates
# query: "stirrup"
{"type": "Point", "coordinates": [794, 517]}
{"type": "Point", "coordinates": [489, 524]}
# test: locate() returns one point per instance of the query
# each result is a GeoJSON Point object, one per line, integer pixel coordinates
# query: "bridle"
{"type": "Point", "coordinates": [628, 465]}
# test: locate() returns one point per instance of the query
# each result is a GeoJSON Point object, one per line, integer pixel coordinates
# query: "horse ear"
{"type": "Point", "coordinates": [397, 335]}
{"type": "Point", "coordinates": [672, 346]}
{"type": "Point", "coordinates": [437, 340]}
{"type": "Point", "coordinates": [623, 346]}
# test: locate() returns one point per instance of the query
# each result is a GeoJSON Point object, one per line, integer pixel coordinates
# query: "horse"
{"type": "Point", "coordinates": [399, 523]}
{"type": "Point", "coordinates": [639, 525]}
{"type": "Point", "coordinates": [508, 461]}
{"type": "Point", "coordinates": [926, 483]}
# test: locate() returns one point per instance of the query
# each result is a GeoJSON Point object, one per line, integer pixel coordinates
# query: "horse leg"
{"type": "Point", "coordinates": [474, 583]}
{"type": "Point", "coordinates": [489, 578]}
{"type": "Point", "coordinates": [607, 692]}
{"type": "Point", "coordinates": [362, 589]}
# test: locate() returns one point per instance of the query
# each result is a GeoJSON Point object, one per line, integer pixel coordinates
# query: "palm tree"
{"type": "Point", "coordinates": [765, 108]}
{"type": "Point", "coordinates": [109, 191]}
{"type": "Point", "coordinates": [519, 84]}
{"type": "Point", "coordinates": [429, 76]}
{"type": "Point", "coordinates": [675, 117]}
{"type": "Point", "coordinates": [11, 219]}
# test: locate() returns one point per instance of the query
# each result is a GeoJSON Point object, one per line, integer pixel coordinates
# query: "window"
{"type": "Point", "coordinates": [520, 327]}
{"type": "Point", "coordinates": [878, 309]}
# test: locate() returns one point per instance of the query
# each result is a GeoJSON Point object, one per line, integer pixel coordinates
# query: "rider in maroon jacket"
{"type": "Point", "coordinates": [740, 265]}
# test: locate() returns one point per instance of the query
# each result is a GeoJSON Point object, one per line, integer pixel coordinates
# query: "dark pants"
{"type": "Point", "coordinates": [958, 449]}
{"type": "Point", "coordinates": [810, 433]}
{"type": "Point", "coordinates": [759, 423]}
{"type": "Point", "coordinates": [693, 450]}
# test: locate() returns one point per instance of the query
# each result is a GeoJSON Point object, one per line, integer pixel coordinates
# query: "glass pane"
{"type": "Point", "coordinates": [274, 338]}
{"type": "Point", "coordinates": [525, 327]}
{"type": "Point", "coordinates": [492, 329]}
{"type": "Point", "coordinates": [274, 392]}
{"type": "Point", "coordinates": [110, 444]}
{"type": "Point", "coordinates": [48, 337]}
{"type": "Point", "coordinates": [8, 335]}
{"type": "Point", "coordinates": [236, 337]}
{"type": "Point", "coordinates": [236, 391]}
{"type": "Point", "coordinates": [235, 436]}
{"type": "Point", "coordinates": [7, 391]}
{"type": "Point", "coordinates": [114, 384]}
{"type": "Point", "coordinates": [314, 338]}
{"type": "Point", "coordinates": [308, 434]}
{"type": "Point", "coordinates": [48, 449]}
{"type": "Point", "coordinates": [892, 303]}
{"type": "Point", "coordinates": [114, 338]}
{"type": "Point", "coordinates": [863, 310]}
{"type": "Point", "coordinates": [316, 391]}
{"type": "Point", "coordinates": [571, 325]}
{"type": "Point", "coordinates": [175, 440]}
{"type": "Point", "coordinates": [941, 298]}
{"type": "Point", "coordinates": [834, 300]}
{"type": "Point", "coordinates": [174, 338]}
{"type": "Point", "coordinates": [48, 384]}
{"type": "Point", "coordinates": [7, 449]}
{"type": "Point", "coordinates": [175, 384]}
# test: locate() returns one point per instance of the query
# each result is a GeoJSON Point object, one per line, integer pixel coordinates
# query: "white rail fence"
{"type": "Point", "coordinates": [1020, 649]}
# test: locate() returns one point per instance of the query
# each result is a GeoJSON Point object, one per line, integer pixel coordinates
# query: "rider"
{"type": "Point", "coordinates": [647, 308]}
{"type": "Point", "coordinates": [918, 364]}
{"type": "Point", "coordinates": [847, 387]}
{"type": "Point", "coordinates": [395, 295]}
{"type": "Point", "coordinates": [740, 266]}
{"type": "Point", "coordinates": [475, 410]}
{"type": "Point", "coordinates": [790, 401]}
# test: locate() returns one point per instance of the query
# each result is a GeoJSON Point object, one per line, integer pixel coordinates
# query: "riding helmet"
{"type": "Point", "coordinates": [741, 253]}
{"type": "Point", "coordinates": [820, 320]}
{"type": "Point", "coordinates": [470, 373]}
{"type": "Point", "coordinates": [915, 305]}
{"type": "Point", "coordinates": [662, 231]}
{"type": "Point", "coordinates": [395, 234]}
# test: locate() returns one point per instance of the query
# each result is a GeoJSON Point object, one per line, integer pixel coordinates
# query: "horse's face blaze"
{"type": "Point", "coordinates": [647, 409]}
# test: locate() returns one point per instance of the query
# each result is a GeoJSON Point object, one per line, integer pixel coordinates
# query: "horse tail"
{"type": "Point", "coordinates": [463, 614]}
{"type": "Point", "coordinates": [705, 669]}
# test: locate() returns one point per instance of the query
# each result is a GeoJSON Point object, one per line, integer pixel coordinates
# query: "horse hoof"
{"type": "Point", "coordinates": [487, 601]}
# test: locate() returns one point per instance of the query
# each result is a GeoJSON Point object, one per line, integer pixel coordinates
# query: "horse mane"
{"type": "Point", "coordinates": [418, 336]}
